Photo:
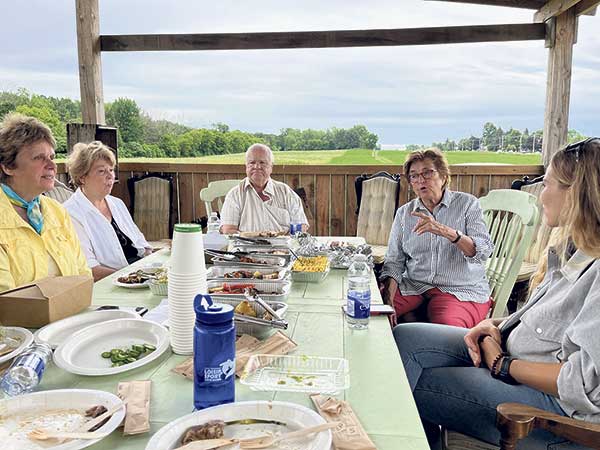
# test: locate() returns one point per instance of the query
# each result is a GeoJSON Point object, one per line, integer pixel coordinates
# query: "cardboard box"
{"type": "Point", "coordinates": [44, 301]}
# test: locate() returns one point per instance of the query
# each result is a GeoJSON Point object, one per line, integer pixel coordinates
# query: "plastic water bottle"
{"type": "Point", "coordinates": [358, 307]}
{"type": "Point", "coordinates": [214, 353]}
{"type": "Point", "coordinates": [214, 223]}
{"type": "Point", "coordinates": [26, 371]}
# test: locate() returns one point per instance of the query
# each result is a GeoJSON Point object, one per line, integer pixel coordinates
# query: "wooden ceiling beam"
{"type": "Point", "coordinates": [587, 7]}
{"type": "Point", "coordinates": [323, 39]}
{"type": "Point", "coordinates": [527, 4]}
{"type": "Point", "coordinates": [553, 8]}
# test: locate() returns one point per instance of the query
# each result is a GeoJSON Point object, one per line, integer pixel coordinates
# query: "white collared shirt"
{"type": "Point", "coordinates": [244, 208]}
{"type": "Point", "coordinates": [98, 239]}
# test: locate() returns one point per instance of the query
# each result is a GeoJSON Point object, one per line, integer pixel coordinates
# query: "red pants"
{"type": "Point", "coordinates": [441, 307]}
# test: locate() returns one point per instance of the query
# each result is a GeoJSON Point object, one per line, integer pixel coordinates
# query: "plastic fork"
{"type": "Point", "coordinates": [268, 441]}
{"type": "Point", "coordinates": [207, 444]}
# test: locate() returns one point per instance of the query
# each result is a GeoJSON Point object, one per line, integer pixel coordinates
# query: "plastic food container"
{"type": "Point", "coordinates": [311, 277]}
{"type": "Point", "coordinates": [296, 373]}
{"type": "Point", "coordinates": [160, 289]}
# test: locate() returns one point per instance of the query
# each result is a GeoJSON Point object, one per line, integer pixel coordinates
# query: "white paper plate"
{"type": "Point", "coordinates": [143, 285]}
{"type": "Point", "coordinates": [56, 333]}
{"type": "Point", "coordinates": [81, 352]}
{"type": "Point", "coordinates": [40, 404]}
{"type": "Point", "coordinates": [23, 335]}
{"type": "Point", "coordinates": [293, 415]}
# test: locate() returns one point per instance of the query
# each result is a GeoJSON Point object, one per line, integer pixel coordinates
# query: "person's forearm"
{"type": "Point", "coordinates": [100, 272]}
{"type": "Point", "coordinates": [465, 244]}
{"type": "Point", "coordinates": [229, 229]}
{"type": "Point", "coordinates": [540, 376]}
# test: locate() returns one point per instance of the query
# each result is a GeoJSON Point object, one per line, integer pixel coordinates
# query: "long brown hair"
{"type": "Point", "coordinates": [578, 170]}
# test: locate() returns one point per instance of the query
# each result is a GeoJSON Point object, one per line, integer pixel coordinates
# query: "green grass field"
{"type": "Point", "coordinates": [358, 157]}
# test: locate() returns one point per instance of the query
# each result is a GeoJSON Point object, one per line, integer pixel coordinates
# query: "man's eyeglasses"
{"type": "Point", "coordinates": [426, 174]}
{"type": "Point", "coordinates": [257, 163]}
{"type": "Point", "coordinates": [577, 147]}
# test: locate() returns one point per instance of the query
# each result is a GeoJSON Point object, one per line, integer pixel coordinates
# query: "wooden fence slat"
{"type": "Point", "coordinates": [186, 197]}
{"type": "Point", "coordinates": [351, 216]}
{"type": "Point", "coordinates": [338, 208]}
{"type": "Point", "coordinates": [309, 184]}
{"type": "Point", "coordinates": [200, 182]}
{"type": "Point", "coordinates": [322, 199]}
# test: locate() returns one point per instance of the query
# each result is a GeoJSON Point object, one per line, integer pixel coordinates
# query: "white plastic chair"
{"type": "Point", "coordinates": [216, 190]}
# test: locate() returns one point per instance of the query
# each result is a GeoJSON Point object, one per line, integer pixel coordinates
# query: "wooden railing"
{"type": "Point", "coordinates": [330, 189]}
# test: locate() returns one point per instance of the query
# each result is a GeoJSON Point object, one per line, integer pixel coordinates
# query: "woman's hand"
{"type": "Point", "coordinates": [427, 224]}
{"type": "Point", "coordinates": [486, 327]}
{"type": "Point", "coordinates": [490, 350]}
{"type": "Point", "coordinates": [390, 286]}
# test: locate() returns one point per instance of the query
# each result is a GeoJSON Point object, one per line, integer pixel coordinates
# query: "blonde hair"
{"type": "Point", "coordinates": [578, 172]}
{"type": "Point", "coordinates": [434, 154]}
{"type": "Point", "coordinates": [83, 158]}
{"type": "Point", "coordinates": [18, 131]}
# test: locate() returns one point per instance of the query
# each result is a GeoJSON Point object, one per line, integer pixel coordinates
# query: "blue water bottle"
{"type": "Point", "coordinates": [214, 353]}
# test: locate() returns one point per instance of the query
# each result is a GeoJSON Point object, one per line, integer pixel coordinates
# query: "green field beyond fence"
{"type": "Point", "coordinates": [357, 156]}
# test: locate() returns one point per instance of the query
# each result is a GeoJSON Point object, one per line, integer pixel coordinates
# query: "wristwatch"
{"type": "Point", "coordinates": [458, 236]}
{"type": "Point", "coordinates": [503, 373]}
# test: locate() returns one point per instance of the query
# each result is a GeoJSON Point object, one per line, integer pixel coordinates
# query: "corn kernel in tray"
{"type": "Point", "coordinates": [310, 264]}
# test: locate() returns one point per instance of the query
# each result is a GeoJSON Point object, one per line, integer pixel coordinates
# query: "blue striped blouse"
{"type": "Point", "coordinates": [419, 263]}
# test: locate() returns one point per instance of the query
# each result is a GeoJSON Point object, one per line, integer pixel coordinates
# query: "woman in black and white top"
{"type": "Point", "coordinates": [434, 268]}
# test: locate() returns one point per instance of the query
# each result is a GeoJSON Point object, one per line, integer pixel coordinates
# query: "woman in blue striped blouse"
{"type": "Point", "coordinates": [434, 267]}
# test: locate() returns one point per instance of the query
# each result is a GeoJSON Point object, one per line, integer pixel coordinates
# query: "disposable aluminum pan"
{"type": "Point", "coordinates": [281, 289]}
{"type": "Point", "coordinates": [276, 262]}
{"type": "Point", "coordinates": [259, 331]}
{"type": "Point", "coordinates": [218, 273]}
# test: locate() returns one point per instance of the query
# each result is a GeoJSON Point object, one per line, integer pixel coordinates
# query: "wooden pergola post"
{"type": "Point", "coordinates": [90, 63]}
{"type": "Point", "coordinates": [558, 87]}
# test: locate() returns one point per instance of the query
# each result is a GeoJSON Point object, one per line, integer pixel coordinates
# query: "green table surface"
{"type": "Point", "coordinates": [379, 392]}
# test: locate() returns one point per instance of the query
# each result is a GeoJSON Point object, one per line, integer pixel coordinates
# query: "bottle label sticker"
{"type": "Point", "coordinates": [225, 370]}
{"type": "Point", "coordinates": [359, 304]}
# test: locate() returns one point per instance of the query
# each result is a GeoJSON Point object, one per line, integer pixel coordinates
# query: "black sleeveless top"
{"type": "Point", "coordinates": [131, 253]}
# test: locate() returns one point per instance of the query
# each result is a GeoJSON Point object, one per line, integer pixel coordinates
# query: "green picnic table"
{"type": "Point", "coordinates": [379, 392]}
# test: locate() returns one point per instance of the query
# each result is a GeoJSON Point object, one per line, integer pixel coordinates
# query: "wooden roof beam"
{"type": "Point", "coordinates": [556, 7]}
{"type": "Point", "coordinates": [323, 39]}
{"type": "Point", "coordinates": [527, 4]}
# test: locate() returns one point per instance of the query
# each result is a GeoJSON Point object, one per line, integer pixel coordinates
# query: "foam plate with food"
{"type": "Point", "coordinates": [56, 410]}
{"type": "Point", "coordinates": [13, 340]}
{"type": "Point", "coordinates": [133, 280]}
{"type": "Point", "coordinates": [85, 352]}
{"type": "Point", "coordinates": [57, 332]}
{"type": "Point", "coordinates": [284, 417]}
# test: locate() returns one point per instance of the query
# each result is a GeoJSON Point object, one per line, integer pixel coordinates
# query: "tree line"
{"type": "Point", "coordinates": [141, 136]}
{"type": "Point", "coordinates": [495, 139]}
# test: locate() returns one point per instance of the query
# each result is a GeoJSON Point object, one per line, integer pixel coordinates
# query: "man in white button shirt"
{"type": "Point", "coordinates": [260, 203]}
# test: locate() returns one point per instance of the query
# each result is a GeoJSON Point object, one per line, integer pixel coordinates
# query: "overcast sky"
{"type": "Point", "coordinates": [406, 95]}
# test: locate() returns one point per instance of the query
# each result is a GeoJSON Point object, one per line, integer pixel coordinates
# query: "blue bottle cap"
{"type": "Point", "coordinates": [211, 313]}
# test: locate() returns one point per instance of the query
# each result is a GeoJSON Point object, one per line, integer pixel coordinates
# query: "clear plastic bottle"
{"type": "Point", "coordinates": [358, 307]}
{"type": "Point", "coordinates": [214, 223]}
{"type": "Point", "coordinates": [26, 371]}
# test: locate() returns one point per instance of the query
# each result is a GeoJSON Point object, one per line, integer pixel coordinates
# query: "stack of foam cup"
{"type": "Point", "coordinates": [187, 278]}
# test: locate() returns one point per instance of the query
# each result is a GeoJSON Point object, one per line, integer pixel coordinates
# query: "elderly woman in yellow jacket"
{"type": "Point", "coordinates": [37, 238]}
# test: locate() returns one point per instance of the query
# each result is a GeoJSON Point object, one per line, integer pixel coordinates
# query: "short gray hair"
{"type": "Point", "coordinates": [262, 147]}
{"type": "Point", "coordinates": [83, 158]}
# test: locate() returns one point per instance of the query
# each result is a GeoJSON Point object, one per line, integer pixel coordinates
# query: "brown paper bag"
{"type": "Point", "coordinates": [350, 436]}
{"type": "Point", "coordinates": [246, 346]}
{"type": "Point", "coordinates": [136, 395]}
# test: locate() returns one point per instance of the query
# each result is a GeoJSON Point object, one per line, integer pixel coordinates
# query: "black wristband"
{"type": "Point", "coordinates": [458, 236]}
{"type": "Point", "coordinates": [504, 374]}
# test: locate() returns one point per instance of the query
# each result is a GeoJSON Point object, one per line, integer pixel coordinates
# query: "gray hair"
{"type": "Point", "coordinates": [262, 147]}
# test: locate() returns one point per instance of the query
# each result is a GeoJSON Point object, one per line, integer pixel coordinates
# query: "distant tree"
{"type": "Point", "coordinates": [50, 118]}
{"type": "Point", "coordinates": [222, 127]}
{"type": "Point", "coordinates": [124, 114]}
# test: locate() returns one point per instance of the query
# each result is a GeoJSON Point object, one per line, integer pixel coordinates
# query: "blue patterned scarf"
{"type": "Point", "coordinates": [34, 213]}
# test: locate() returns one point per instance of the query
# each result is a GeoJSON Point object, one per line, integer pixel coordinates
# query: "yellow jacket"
{"type": "Point", "coordinates": [24, 253]}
